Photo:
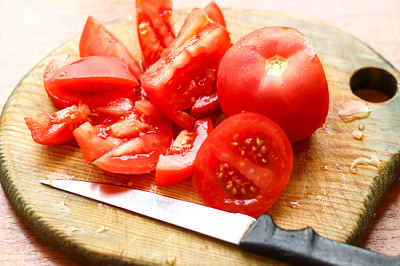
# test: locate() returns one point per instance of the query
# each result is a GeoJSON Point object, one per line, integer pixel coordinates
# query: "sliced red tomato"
{"type": "Point", "coordinates": [130, 145]}
{"type": "Point", "coordinates": [243, 165]}
{"type": "Point", "coordinates": [215, 13]}
{"type": "Point", "coordinates": [205, 106]}
{"type": "Point", "coordinates": [97, 40]}
{"type": "Point", "coordinates": [178, 79]}
{"type": "Point", "coordinates": [57, 128]}
{"type": "Point", "coordinates": [93, 80]}
{"type": "Point", "coordinates": [154, 27]}
{"type": "Point", "coordinates": [274, 71]}
{"type": "Point", "coordinates": [113, 110]}
{"type": "Point", "coordinates": [177, 165]}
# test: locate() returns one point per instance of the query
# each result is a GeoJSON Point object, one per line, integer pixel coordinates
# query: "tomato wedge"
{"type": "Point", "coordinates": [243, 165]}
{"type": "Point", "coordinates": [130, 145]}
{"type": "Point", "coordinates": [97, 40]}
{"type": "Point", "coordinates": [187, 72]}
{"type": "Point", "coordinates": [57, 128]}
{"type": "Point", "coordinates": [93, 80]}
{"type": "Point", "coordinates": [177, 165]}
{"type": "Point", "coordinates": [215, 13]}
{"type": "Point", "coordinates": [154, 27]}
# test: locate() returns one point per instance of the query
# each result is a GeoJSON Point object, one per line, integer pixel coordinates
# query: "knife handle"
{"type": "Point", "coordinates": [306, 247]}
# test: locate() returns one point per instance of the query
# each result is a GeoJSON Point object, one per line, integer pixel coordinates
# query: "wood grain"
{"type": "Point", "coordinates": [307, 192]}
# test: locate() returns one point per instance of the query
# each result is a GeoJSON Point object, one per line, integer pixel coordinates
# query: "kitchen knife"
{"type": "Point", "coordinates": [261, 235]}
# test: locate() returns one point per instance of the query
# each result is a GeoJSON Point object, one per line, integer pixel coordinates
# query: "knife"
{"type": "Point", "coordinates": [261, 235]}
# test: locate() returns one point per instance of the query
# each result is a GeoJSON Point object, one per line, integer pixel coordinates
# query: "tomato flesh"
{"type": "Point", "coordinates": [177, 165]}
{"type": "Point", "coordinates": [214, 12]}
{"type": "Point", "coordinates": [274, 71]}
{"type": "Point", "coordinates": [97, 40]}
{"type": "Point", "coordinates": [188, 72]}
{"type": "Point", "coordinates": [57, 128]}
{"type": "Point", "coordinates": [93, 80]}
{"type": "Point", "coordinates": [154, 27]}
{"type": "Point", "coordinates": [129, 145]}
{"type": "Point", "coordinates": [243, 165]}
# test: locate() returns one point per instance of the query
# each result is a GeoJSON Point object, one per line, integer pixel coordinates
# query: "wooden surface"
{"type": "Point", "coordinates": [26, 41]}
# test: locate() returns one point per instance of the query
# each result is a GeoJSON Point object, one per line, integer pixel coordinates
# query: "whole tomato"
{"type": "Point", "coordinates": [274, 71]}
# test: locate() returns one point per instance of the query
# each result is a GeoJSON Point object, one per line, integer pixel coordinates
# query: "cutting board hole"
{"type": "Point", "coordinates": [373, 84]}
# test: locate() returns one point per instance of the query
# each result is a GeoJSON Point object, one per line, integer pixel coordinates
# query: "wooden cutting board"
{"type": "Point", "coordinates": [333, 189]}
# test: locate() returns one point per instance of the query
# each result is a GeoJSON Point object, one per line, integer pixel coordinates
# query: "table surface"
{"type": "Point", "coordinates": [32, 29]}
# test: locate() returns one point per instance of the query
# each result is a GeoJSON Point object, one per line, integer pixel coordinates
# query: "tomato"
{"type": "Point", "coordinates": [97, 40]}
{"type": "Point", "coordinates": [94, 80]}
{"type": "Point", "coordinates": [130, 145]}
{"type": "Point", "coordinates": [154, 27]}
{"type": "Point", "coordinates": [243, 165]}
{"type": "Point", "coordinates": [215, 13]}
{"type": "Point", "coordinates": [206, 105]}
{"type": "Point", "coordinates": [57, 128]}
{"type": "Point", "coordinates": [188, 71]}
{"type": "Point", "coordinates": [274, 71]}
{"type": "Point", "coordinates": [113, 110]}
{"type": "Point", "coordinates": [177, 165]}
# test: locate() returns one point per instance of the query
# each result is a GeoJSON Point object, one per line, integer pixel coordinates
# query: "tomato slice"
{"type": "Point", "coordinates": [57, 128]}
{"type": "Point", "coordinates": [188, 72]}
{"type": "Point", "coordinates": [205, 106]}
{"type": "Point", "coordinates": [97, 40]}
{"type": "Point", "coordinates": [215, 13]}
{"type": "Point", "coordinates": [113, 111]}
{"type": "Point", "coordinates": [94, 80]}
{"type": "Point", "coordinates": [177, 165]}
{"type": "Point", "coordinates": [130, 145]}
{"type": "Point", "coordinates": [154, 27]}
{"type": "Point", "coordinates": [243, 165]}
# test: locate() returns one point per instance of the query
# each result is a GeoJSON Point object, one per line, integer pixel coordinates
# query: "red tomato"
{"type": "Point", "coordinates": [215, 13]}
{"type": "Point", "coordinates": [97, 40]}
{"type": "Point", "coordinates": [187, 72]}
{"type": "Point", "coordinates": [243, 165]}
{"type": "Point", "coordinates": [130, 145]}
{"type": "Point", "coordinates": [57, 128]}
{"type": "Point", "coordinates": [113, 111]}
{"type": "Point", "coordinates": [94, 80]}
{"type": "Point", "coordinates": [274, 71]}
{"type": "Point", "coordinates": [206, 106]}
{"type": "Point", "coordinates": [154, 27]}
{"type": "Point", "coordinates": [177, 165]}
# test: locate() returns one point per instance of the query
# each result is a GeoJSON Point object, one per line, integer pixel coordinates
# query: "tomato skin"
{"type": "Point", "coordinates": [154, 27]}
{"type": "Point", "coordinates": [57, 128]}
{"type": "Point", "coordinates": [226, 149]}
{"type": "Point", "coordinates": [129, 145]}
{"type": "Point", "coordinates": [97, 40]}
{"type": "Point", "coordinates": [93, 80]}
{"type": "Point", "coordinates": [297, 99]}
{"type": "Point", "coordinates": [177, 165]}
{"type": "Point", "coordinates": [188, 72]}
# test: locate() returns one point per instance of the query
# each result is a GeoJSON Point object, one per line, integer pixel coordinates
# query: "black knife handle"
{"type": "Point", "coordinates": [306, 247]}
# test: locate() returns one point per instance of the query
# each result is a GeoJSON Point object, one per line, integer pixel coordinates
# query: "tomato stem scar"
{"type": "Point", "coordinates": [276, 66]}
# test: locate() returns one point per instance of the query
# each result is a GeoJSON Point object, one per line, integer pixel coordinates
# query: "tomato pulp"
{"type": "Point", "coordinates": [274, 71]}
{"type": "Point", "coordinates": [243, 165]}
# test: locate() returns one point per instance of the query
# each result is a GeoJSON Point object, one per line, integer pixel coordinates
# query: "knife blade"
{"type": "Point", "coordinates": [259, 235]}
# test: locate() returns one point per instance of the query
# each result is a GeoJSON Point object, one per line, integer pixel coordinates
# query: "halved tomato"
{"type": "Point", "coordinates": [154, 27]}
{"type": "Point", "coordinates": [97, 40]}
{"type": "Point", "coordinates": [177, 165]}
{"type": "Point", "coordinates": [130, 145]}
{"type": "Point", "coordinates": [188, 71]}
{"type": "Point", "coordinates": [57, 128]}
{"type": "Point", "coordinates": [93, 80]}
{"type": "Point", "coordinates": [243, 165]}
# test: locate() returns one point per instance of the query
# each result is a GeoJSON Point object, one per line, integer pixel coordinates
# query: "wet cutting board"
{"type": "Point", "coordinates": [338, 180]}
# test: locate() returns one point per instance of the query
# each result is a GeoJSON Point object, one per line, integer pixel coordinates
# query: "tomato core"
{"type": "Point", "coordinates": [276, 66]}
